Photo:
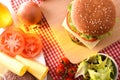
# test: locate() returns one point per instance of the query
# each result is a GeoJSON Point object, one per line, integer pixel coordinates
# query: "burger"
{"type": "Point", "coordinates": [89, 21]}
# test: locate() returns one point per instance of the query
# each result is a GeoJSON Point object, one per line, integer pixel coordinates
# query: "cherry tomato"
{"type": "Point", "coordinates": [33, 46]}
{"type": "Point", "coordinates": [69, 78]}
{"type": "Point", "coordinates": [12, 41]}
{"type": "Point", "coordinates": [60, 70]}
{"type": "Point", "coordinates": [65, 61]}
{"type": "Point", "coordinates": [71, 71]}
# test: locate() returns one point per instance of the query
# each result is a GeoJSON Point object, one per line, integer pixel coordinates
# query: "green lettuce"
{"type": "Point", "coordinates": [96, 68]}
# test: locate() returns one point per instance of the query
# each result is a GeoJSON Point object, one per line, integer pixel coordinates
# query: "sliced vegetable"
{"type": "Point", "coordinates": [12, 41]}
{"type": "Point", "coordinates": [33, 46]}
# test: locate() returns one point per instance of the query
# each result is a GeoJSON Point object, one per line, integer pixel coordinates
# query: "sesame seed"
{"type": "Point", "coordinates": [85, 31]}
{"type": "Point", "coordinates": [93, 5]}
{"type": "Point", "coordinates": [83, 19]}
{"type": "Point", "coordinates": [106, 20]}
{"type": "Point", "coordinates": [89, 11]}
{"type": "Point", "coordinates": [102, 3]}
{"type": "Point", "coordinates": [88, 30]}
{"type": "Point", "coordinates": [104, 9]}
{"type": "Point", "coordinates": [81, 16]}
{"type": "Point", "coordinates": [95, 11]}
{"type": "Point", "coordinates": [92, 22]}
{"type": "Point", "coordinates": [94, 25]}
{"type": "Point", "coordinates": [101, 27]}
{"type": "Point", "coordinates": [99, 6]}
{"type": "Point", "coordinates": [88, 26]}
{"type": "Point", "coordinates": [101, 31]}
{"type": "Point", "coordinates": [86, 5]}
{"type": "Point", "coordinates": [87, 21]}
{"type": "Point", "coordinates": [105, 27]}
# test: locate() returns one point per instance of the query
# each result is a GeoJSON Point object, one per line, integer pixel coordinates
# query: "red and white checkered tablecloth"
{"type": "Point", "coordinates": [52, 50]}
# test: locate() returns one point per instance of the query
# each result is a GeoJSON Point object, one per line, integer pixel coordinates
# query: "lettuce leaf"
{"type": "Point", "coordinates": [101, 74]}
{"type": "Point", "coordinates": [98, 68]}
{"type": "Point", "coordinates": [82, 69]}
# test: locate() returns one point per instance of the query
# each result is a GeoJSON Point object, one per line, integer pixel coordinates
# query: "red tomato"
{"type": "Point", "coordinates": [60, 70]}
{"type": "Point", "coordinates": [12, 41]}
{"type": "Point", "coordinates": [65, 61]}
{"type": "Point", "coordinates": [91, 40]}
{"type": "Point", "coordinates": [69, 78]}
{"type": "Point", "coordinates": [33, 46]}
{"type": "Point", "coordinates": [71, 71]}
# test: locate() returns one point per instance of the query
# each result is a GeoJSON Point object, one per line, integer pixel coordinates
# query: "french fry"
{"type": "Point", "coordinates": [12, 64]}
{"type": "Point", "coordinates": [36, 69]}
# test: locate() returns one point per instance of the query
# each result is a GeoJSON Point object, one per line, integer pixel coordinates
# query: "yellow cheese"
{"type": "Point", "coordinates": [36, 69]}
{"type": "Point", "coordinates": [12, 64]}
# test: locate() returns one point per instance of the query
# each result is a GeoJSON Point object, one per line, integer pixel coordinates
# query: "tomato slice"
{"type": "Point", "coordinates": [33, 46]}
{"type": "Point", "coordinates": [91, 40]}
{"type": "Point", "coordinates": [12, 41]}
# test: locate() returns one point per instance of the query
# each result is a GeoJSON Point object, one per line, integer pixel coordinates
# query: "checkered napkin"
{"type": "Point", "coordinates": [52, 50]}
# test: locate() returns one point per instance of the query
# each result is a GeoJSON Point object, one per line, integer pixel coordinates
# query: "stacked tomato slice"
{"type": "Point", "coordinates": [14, 41]}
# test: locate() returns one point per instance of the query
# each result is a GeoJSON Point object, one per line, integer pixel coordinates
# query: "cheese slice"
{"type": "Point", "coordinates": [88, 44]}
{"type": "Point", "coordinates": [12, 64]}
{"type": "Point", "coordinates": [36, 69]}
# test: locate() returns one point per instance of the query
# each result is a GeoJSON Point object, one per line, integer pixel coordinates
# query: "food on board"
{"type": "Point", "coordinates": [89, 21]}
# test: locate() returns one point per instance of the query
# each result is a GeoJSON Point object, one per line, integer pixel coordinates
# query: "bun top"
{"type": "Point", "coordinates": [93, 17]}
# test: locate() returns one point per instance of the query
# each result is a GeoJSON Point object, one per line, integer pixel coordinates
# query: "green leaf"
{"type": "Point", "coordinates": [82, 69]}
{"type": "Point", "coordinates": [98, 67]}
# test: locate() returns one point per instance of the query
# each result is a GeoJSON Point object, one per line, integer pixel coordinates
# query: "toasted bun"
{"type": "Point", "coordinates": [93, 17]}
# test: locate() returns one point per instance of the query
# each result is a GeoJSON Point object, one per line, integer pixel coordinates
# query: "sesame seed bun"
{"type": "Point", "coordinates": [93, 17]}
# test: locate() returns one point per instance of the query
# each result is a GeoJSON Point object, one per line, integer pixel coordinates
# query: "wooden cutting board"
{"type": "Point", "coordinates": [55, 12]}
